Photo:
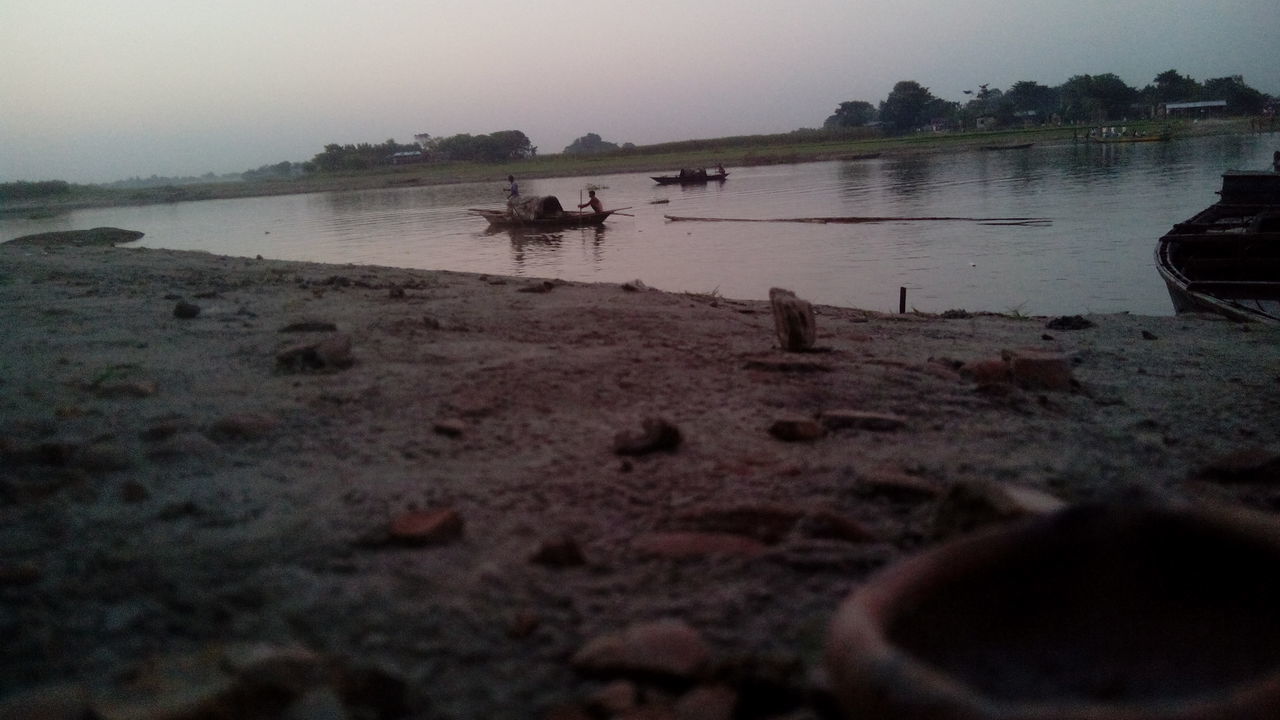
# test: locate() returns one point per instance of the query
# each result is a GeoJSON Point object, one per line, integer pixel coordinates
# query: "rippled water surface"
{"type": "Point", "coordinates": [1106, 205]}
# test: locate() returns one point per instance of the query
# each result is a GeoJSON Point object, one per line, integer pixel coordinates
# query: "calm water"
{"type": "Point", "coordinates": [1107, 204]}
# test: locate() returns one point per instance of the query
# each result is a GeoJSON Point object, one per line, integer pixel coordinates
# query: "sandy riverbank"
{"type": "Point", "coordinates": [171, 485]}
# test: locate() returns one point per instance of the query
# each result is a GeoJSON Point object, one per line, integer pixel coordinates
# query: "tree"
{"type": "Point", "coordinates": [588, 144]}
{"type": "Point", "coordinates": [1096, 98]}
{"type": "Point", "coordinates": [360, 156]}
{"type": "Point", "coordinates": [1029, 96]}
{"type": "Point", "coordinates": [508, 145]}
{"type": "Point", "coordinates": [501, 146]}
{"type": "Point", "coordinates": [905, 107]}
{"type": "Point", "coordinates": [1241, 99]}
{"type": "Point", "coordinates": [1170, 86]}
{"type": "Point", "coordinates": [854, 113]}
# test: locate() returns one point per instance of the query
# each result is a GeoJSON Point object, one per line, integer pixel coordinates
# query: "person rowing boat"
{"type": "Point", "coordinates": [593, 202]}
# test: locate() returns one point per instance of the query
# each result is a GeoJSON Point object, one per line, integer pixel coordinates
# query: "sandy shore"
{"type": "Point", "coordinates": [406, 488]}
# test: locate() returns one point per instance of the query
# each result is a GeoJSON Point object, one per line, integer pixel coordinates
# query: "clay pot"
{"type": "Point", "coordinates": [1097, 612]}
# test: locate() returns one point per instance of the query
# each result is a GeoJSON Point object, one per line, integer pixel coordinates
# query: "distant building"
{"type": "Point", "coordinates": [1205, 108]}
{"type": "Point", "coordinates": [408, 156]}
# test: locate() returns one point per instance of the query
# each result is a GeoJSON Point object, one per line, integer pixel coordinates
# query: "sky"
{"type": "Point", "coordinates": [103, 90]}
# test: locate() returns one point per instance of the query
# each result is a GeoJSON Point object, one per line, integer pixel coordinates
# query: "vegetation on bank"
{"type": "Point", "coordinates": [1096, 99]}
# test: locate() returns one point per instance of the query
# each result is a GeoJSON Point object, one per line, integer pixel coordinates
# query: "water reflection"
{"type": "Point", "coordinates": [533, 249]}
{"type": "Point", "coordinates": [911, 175]}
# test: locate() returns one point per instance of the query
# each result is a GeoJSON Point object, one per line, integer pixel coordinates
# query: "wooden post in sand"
{"type": "Point", "coordinates": [902, 301]}
{"type": "Point", "coordinates": [793, 320]}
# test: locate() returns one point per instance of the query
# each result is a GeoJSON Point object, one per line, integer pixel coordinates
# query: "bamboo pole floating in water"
{"type": "Point", "coordinates": [1028, 221]}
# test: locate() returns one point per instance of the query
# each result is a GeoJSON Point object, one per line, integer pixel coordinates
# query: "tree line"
{"type": "Point", "coordinates": [1081, 99]}
{"type": "Point", "coordinates": [500, 146]}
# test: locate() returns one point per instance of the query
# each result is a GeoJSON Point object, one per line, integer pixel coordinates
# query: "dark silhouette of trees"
{"type": "Point", "coordinates": [854, 113]}
{"type": "Point", "coordinates": [24, 190]}
{"type": "Point", "coordinates": [1096, 98]}
{"type": "Point", "coordinates": [501, 146]}
{"type": "Point", "coordinates": [906, 107]}
{"type": "Point", "coordinates": [279, 171]}
{"type": "Point", "coordinates": [588, 144]}
{"type": "Point", "coordinates": [1082, 98]}
{"type": "Point", "coordinates": [1028, 96]}
{"type": "Point", "coordinates": [1241, 99]}
{"type": "Point", "coordinates": [1172, 86]}
{"type": "Point", "coordinates": [362, 156]}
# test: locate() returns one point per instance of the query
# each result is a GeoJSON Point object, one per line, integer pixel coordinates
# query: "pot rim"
{"type": "Point", "coordinates": [865, 666]}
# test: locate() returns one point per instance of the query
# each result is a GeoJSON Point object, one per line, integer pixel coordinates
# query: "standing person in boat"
{"type": "Point", "coordinates": [593, 202]}
{"type": "Point", "coordinates": [1275, 161]}
{"type": "Point", "coordinates": [513, 189]}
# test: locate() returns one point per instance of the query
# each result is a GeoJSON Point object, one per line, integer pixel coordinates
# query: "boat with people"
{"type": "Point", "coordinates": [1226, 258]}
{"type": "Point", "coordinates": [691, 176]}
{"type": "Point", "coordinates": [541, 211]}
{"type": "Point", "coordinates": [1110, 135]}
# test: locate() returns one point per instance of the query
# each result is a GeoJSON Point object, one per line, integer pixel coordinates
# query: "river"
{"type": "Point", "coordinates": [1105, 205]}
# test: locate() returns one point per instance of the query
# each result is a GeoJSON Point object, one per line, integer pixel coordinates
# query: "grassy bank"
{"type": "Point", "coordinates": [731, 152]}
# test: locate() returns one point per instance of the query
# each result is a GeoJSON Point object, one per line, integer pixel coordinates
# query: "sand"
{"type": "Point", "coordinates": [172, 486]}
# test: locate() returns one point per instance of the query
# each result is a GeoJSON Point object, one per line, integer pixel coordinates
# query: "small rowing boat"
{"type": "Point", "coordinates": [1019, 146]}
{"type": "Point", "coordinates": [504, 219]}
{"type": "Point", "coordinates": [690, 178]}
{"type": "Point", "coordinates": [1226, 258]}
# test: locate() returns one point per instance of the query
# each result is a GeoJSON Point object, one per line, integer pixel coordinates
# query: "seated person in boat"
{"type": "Point", "coordinates": [720, 169]}
{"type": "Point", "coordinates": [594, 202]}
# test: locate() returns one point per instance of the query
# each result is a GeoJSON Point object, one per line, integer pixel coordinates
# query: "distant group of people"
{"type": "Point", "coordinates": [686, 173]}
{"type": "Point", "coordinates": [513, 193]}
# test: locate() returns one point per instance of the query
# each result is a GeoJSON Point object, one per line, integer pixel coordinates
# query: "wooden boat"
{"type": "Point", "coordinates": [689, 179]}
{"type": "Point", "coordinates": [568, 219]}
{"type": "Point", "coordinates": [1226, 258]}
{"type": "Point", "coordinates": [1020, 146]}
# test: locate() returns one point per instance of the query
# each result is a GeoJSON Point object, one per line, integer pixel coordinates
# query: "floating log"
{"type": "Point", "coordinates": [858, 219]}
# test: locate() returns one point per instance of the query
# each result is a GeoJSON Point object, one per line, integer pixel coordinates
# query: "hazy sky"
{"type": "Point", "coordinates": [100, 90]}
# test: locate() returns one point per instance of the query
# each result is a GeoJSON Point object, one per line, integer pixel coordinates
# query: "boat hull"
{"type": "Point", "coordinates": [503, 219]}
{"type": "Point", "coordinates": [1226, 258]}
{"type": "Point", "coordinates": [677, 180]}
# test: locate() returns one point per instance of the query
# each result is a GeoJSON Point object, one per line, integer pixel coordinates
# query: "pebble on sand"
{"type": "Point", "coordinates": [796, 428]}
{"type": "Point", "coordinates": [328, 355]}
{"type": "Point", "coordinates": [656, 434]}
{"type": "Point", "coordinates": [668, 647]}
{"type": "Point", "coordinates": [426, 527]}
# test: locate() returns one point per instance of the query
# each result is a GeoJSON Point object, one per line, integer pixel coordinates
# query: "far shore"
{"type": "Point", "coordinates": [768, 152]}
